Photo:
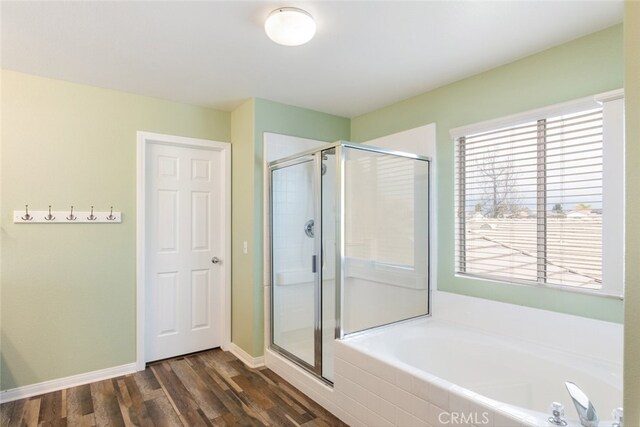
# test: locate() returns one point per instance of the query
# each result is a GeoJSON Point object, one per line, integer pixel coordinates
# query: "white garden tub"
{"type": "Point", "coordinates": [478, 362]}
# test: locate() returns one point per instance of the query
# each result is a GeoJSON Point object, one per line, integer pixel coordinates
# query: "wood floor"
{"type": "Point", "coordinates": [212, 388]}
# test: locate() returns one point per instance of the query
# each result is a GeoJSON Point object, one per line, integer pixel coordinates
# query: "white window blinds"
{"type": "Point", "coordinates": [529, 201]}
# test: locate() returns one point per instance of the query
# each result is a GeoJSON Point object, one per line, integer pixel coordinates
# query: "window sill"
{"type": "Point", "coordinates": [582, 291]}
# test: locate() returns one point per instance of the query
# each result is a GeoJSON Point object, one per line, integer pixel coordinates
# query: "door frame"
{"type": "Point", "coordinates": [143, 140]}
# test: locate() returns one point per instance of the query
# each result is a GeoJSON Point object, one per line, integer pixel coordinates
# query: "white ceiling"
{"type": "Point", "coordinates": [366, 54]}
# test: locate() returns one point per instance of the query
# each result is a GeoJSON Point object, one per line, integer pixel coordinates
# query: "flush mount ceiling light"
{"type": "Point", "coordinates": [290, 26]}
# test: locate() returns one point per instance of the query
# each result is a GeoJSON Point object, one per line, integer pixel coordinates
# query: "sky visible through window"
{"type": "Point", "coordinates": [533, 201]}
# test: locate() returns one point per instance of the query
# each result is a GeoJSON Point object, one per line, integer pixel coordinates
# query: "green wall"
{"type": "Point", "coordinates": [583, 67]}
{"type": "Point", "coordinates": [248, 124]}
{"type": "Point", "coordinates": [245, 320]}
{"type": "Point", "coordinates": [68, 292]}
{"type": "Point", "coordinates": [632, 207]}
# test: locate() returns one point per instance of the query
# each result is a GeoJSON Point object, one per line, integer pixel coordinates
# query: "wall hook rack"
{"type": "Point", "coordinates": [69, 217]}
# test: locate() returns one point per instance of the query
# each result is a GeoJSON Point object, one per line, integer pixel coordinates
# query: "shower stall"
{"type": "Point", "coordinates": [349, 247]}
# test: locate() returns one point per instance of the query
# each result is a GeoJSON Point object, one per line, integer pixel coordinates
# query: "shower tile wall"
{"type": "Point", "coordinates": [293, 314]}
{"type": "Point", "coordinates": [294, 196]}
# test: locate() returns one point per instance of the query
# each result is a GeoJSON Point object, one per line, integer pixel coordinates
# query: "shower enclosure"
{"type": "Point", "coordinates": [349, 230]}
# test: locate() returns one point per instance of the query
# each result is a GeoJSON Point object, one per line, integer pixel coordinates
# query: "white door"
{"type": "Point", "coordinates": [184, 250]}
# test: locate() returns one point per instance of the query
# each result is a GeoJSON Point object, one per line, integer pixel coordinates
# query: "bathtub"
{"type": "Point", "coordinates": [477, 362]}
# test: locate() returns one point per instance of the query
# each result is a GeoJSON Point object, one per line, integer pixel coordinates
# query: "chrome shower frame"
{"type": "Point", "coordinates": [316, 156]}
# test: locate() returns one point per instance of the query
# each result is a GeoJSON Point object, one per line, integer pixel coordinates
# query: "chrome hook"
{"type": "Point", "coordinates": [92, 217]}
{"type": "Point", "coordinates": [71, 216]}
{"type": "Point", "coordinates": [26, 216]}
{"type": "Point", "coordinates": [49, 217]}
{"type": "Point", "coordinates": [111, 217]}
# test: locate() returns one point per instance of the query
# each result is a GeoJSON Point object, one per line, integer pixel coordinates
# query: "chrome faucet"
{"type": "Point", "coordinates": [618, 417]}
{"type": "Point", "coordinates": [557, 414]}
{"type": "Point", "coordinates": [586, 411]}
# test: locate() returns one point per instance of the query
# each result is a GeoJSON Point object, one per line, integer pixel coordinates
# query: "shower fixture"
{"type": "Point", "coordinates": [308, 228]}
{"type": "Point", "coordinates": [324, 158]}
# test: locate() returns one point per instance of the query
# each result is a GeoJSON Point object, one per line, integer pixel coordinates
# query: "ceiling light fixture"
{"type": "Point", "coordinates": [290, 26]}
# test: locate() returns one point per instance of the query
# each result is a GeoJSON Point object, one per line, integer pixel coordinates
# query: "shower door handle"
{"type": "Point", "coordinates": [313, 263]}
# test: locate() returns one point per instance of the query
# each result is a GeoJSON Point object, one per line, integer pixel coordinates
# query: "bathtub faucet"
{"type": "Point", "coordinates": [586, 411]}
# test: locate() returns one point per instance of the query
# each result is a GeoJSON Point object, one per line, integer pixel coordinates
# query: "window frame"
{"type": "Point", "coordinates": [612, 104]}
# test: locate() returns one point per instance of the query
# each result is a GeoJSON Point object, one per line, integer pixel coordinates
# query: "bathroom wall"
{"type": "Point", "coordinates": [586, 66]}
{"type": "Point", "coordinates": [632, 207]}
{"type": "Point", "coordinates": [248, 124]}
{"type": "Point", "coordinates": [68, 291]}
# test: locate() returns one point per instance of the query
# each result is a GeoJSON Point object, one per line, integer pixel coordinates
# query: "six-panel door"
{"type": "Point", "coordinates": [183, 229]}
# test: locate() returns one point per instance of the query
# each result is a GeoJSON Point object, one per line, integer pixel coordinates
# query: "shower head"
{"type": "Point", "coordinates": [325, 156]}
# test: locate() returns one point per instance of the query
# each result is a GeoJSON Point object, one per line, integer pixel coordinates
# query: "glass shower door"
{"type": "Point", "coordinates": [295, 260]}
{"type": "Point", "coordinates": [349, 247]}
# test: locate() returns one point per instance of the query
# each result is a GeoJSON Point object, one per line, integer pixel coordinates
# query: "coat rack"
{"type": "Point", "coordinates": [65, 217]}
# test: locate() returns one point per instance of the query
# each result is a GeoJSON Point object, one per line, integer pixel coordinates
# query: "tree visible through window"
{"type": "Point", "coordinates": [529, 201]}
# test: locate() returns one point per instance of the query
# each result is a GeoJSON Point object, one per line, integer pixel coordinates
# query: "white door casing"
{"type": "Point", "coordinates": [183, 224]}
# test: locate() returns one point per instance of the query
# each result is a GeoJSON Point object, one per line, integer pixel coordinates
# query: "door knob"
{"type": "Point", "coordinates": [216, 260]}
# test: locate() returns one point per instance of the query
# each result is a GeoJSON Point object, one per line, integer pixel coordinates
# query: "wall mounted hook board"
{"type": "Point", "coordinates": [69, 217]}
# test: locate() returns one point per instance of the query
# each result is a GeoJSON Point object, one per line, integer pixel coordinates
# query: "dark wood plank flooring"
{"type": "Point", "coordinates": [211, 388]}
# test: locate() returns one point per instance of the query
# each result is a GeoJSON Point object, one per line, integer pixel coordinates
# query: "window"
{"type": "Point", "coordinates": [532, 197]}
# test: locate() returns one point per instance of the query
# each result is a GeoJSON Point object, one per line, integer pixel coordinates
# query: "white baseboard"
{"type": "Point", "coordinates": [62, 383]}
{"type": "Point", "coordinates": [246, 358]}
